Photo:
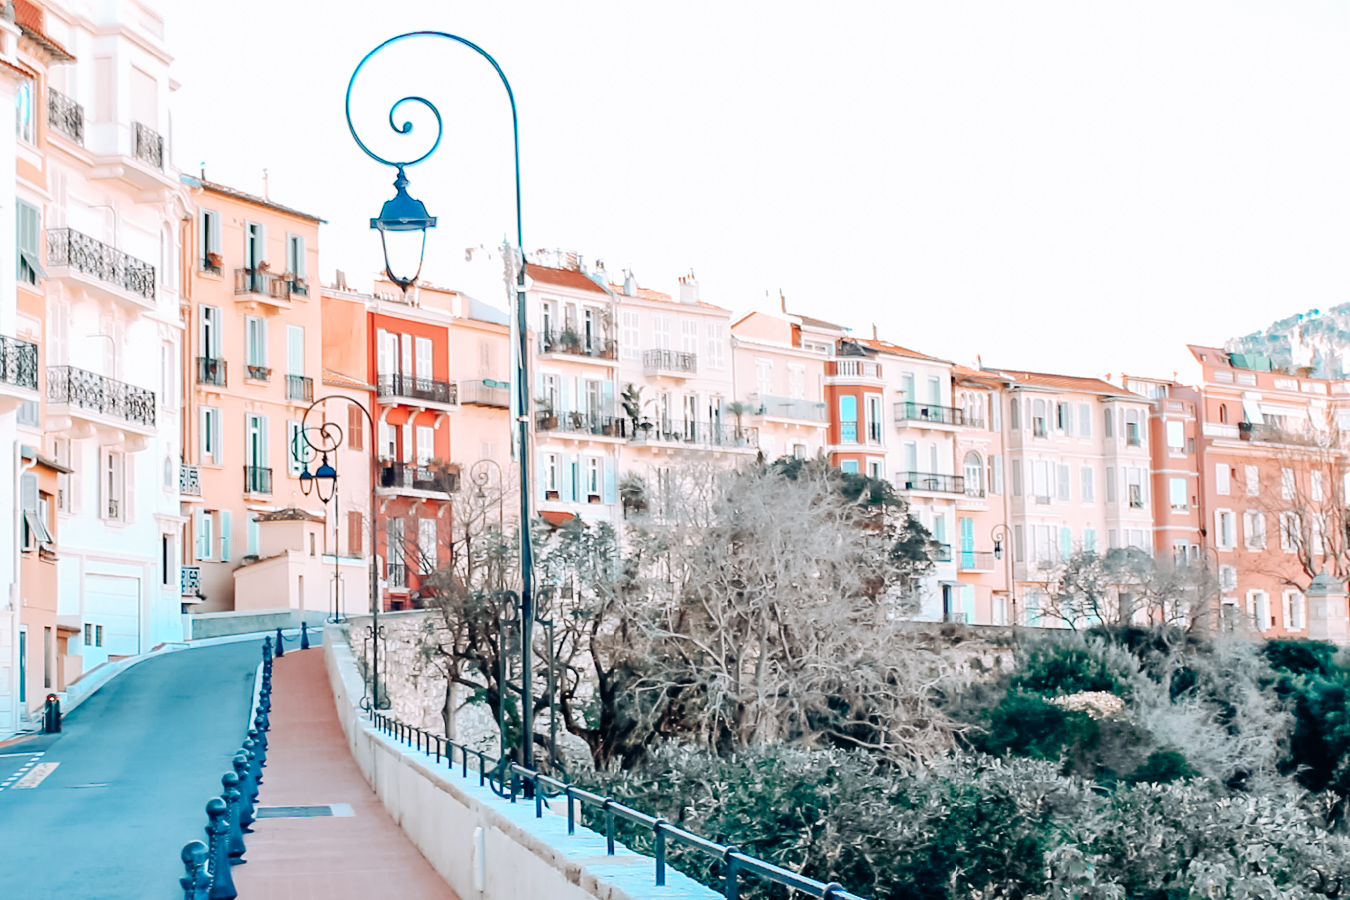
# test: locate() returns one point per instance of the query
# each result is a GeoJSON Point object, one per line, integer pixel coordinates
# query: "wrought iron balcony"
{"type": "Point", "coordinates": [678, 431]}
{"type": "Point", "coordinates": [396, 574]}
{"type": "Point", "coordinates": [257, 480]}
{"type": "Point", "coordinates": [663, 362]}
{"type": "Point", "coordinates": [299, 387]}
{"type": "Point", "coordinates": [89, 390]}
{"type": "Point", "coordinates": [259, 373]}
{"type": "Point", "coordinates": [211, 370]}
{"type": "Point", "coordinates": [65, 115]}
{"type": "Point", "coordinates": [189, 481]}
{"type": "Point", "coordinates": [260, 282]}
{"type": "Point", "coordinates": [578, 423]}
{"type": "Point", "coordinates": [446, 392]}
{"type": "Point", "coordinates": [418, 478]}
{"type": "Point", "coordinates": [147, 145]}
{"type": "Point", "coordinates": [975, 561]}
{"type": "Point", "coordinates": [928, 413]}
{"type": "Point", "coordinates": [190, 580]}
{"type": "Point", "coordinates": [577, 344]}
{"type": "Point", "coordinates": [931, 481]}
{"type": "Point", "coordinates": [485, 393]}
{"type": "Point", "coordinates": [18, 363]}
{"type": "Point", "coordinates": [67, 247]}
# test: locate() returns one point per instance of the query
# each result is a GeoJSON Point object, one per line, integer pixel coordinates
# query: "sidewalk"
{"type": "Point", "coordinates": [308, 764]}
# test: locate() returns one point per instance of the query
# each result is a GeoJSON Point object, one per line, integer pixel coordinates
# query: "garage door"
{"type": "Point", "coordinates": [114, 601]}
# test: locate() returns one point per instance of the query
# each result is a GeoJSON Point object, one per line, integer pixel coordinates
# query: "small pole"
{"type": "Point", "coordinates": [217, 835]}
{"type": "Point", "coordinates": [229, 783]}
{"type": "Point", "coordinates": [281, 649]}
{"type": "Point", "coordinates": [304, 635]}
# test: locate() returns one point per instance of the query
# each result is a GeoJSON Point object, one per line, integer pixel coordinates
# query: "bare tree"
{"type": "Point", "coordinates": [1129, 585]}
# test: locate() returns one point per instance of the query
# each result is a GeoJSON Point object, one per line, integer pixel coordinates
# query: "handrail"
{"type": "Point", "coordinates": [507, 782]}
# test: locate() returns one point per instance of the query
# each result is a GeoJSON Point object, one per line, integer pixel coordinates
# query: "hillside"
{"type": "Point", "coordinates": [1318, 340]}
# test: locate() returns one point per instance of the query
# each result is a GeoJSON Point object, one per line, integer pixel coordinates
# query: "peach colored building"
{"type": "Point", "coordinates": [1174, 435]}
{"type": "Point", "coordinates": [46, 665]}
{"type": "Point", "coordinates": [982, 510]}
{"type": "Point", "coordinates": [253, 353]}
{"type": "Point", "coordinates": [778, 375]}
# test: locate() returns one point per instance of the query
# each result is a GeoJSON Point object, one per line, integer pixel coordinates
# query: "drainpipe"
{"type": "Point", "coordinates": [16, 591]}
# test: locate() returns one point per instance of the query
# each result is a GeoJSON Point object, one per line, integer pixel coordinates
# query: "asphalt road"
{"type": "Point", "coordinates": [136, 764]}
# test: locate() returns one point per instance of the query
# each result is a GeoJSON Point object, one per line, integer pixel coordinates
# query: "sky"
{"type": "Point", "coordinates": [1056, 186]}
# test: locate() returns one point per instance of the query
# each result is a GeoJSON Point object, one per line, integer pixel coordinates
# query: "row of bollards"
{"type": "Point", "coordinates": [230, 815]}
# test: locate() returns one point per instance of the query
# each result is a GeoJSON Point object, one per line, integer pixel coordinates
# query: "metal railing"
{"type": "Point", "coordinates": [509, 780]}
{"type": "Point", "coordinates": [89, 390]}
{"type": "Point", "coordinates": [931, 481]}
{"type": "Point", "coordinates": [975, 561]}
{"type": "Point", "coordinates": [147, 145]}
{"type": "Point", "coordinates": [577, 344]}
{"type": "Point", "coordinates": [260, 281]}
{"type": "Point", "coordinates": [485, 393]}
{"type": "Point", "coordinates": [790, 408]}
{"type": "Point", "coordinates": [853, 368]}
{"type": "Point", "coordinates": [299, 387]}
{"type": "Point", "coordinates": [65, 115]}
{"type": "Point", "coordinates": [67, 247]}
{"type": "Point", "coordinates": [418, 478]}
{"type": "Point", "coordinates": [942, 553]}
{"type": "Point", "coordinates": [678, 431]}
{"type": "Point", "coordinates": [578, 423]}
{"type": "Point", "coordinates": [259, 373]}
{"type": "Point", "coordinates": [189, 481]}
{"type": "Point", "coordinates": [927, 412]}
{"type": "Point", "coordinates": [18, 363]}
{"type": "Point", "coordinates": [189, 580]}
{"type": "Point", "coordinates": [417, 388]}
{"type": "Point", "coordinates": [257, 480]}
{"type": "Point", "coordinates": [396, 574]}
{"type": "Point", "coordinates": [211, 370]}
{"type": "Point", "coordinates": [655, 362]}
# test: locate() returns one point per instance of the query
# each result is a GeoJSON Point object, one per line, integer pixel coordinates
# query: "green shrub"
{"type": "Point", "coordinates": [1026, 725]}
{"type": "Point", "coordinates": [1055, 669]}
{"type": "Point", "coordinates": [1300, 657]}
{"type": "Point", "coordinates": [1162, 767]}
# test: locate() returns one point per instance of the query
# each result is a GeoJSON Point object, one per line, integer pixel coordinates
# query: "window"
{"type": "Point", "coordinates": [1290, 532]}
{"type": "Point", "coordinates": [1089, 484]}
{"type": "Point", "coordinates": [848, 419]}
{"type": "Point", "coordinates": [356, 531]}
{"type": "Point", "coordinates": [1065, 543]}
{"type": "Point", "coordinates": [907, 387]}
{"type": "Point", "coordinates": [850, 466]}
{"type": "Point", "coordinates": [255, 246]}
{"type": "Point", "coordinates": [25, 116]}
{"type": "Point", "coordinates": [1015, 414]}
{"type": "Point", "coordinates": [1041, 478]}
{"type": "Point", "coordinates": [1258, 607]}
{"type": "Point", "coordinates": [934, 390]}
{"type": "Point", "coordinates": [1176, 435]}
{"type": "Point", "coordinates": [797, 382]}
{"type": "Point", "coordinates": [295, 350]}
{"type": "Point", "coordinates": [1227, 578]}
{"type": "Point", "coordinates": [27, 238]}
{"type": "Point", "coordinates": [226, 534]}
{"type": "Point", "coordinates": [874, 469]}
{"type": "Point", "coordinates": [209, 336]}
{"type": "Point", "coordinates": [764, 376]}
{"type": "Point", "coordinates": [1019, 544]}
{"type": "Point", "coordinates": [1221, 478]}
{"type": "Point", "coordinates": [1224, 529]}
{"type": "Point", "coordinates": [1315, 486]}
{"type": "Point", "coordinates": [295, 256]}
{"type": "Point", "coordinates": [1254, 529]}
{"type": "Point", "coordinates": [1253, 479]}
{"type": "Point", "coordinates": [661, 332]}
{"type": "Point", "coordinates": [1110, 485]}
{"type": "Point", "coordinates": [210, 245]}
{"type": "Point", "coordinates": [98, 635]}
{"type": "Point", "coordinates": [996, 474]}
{"type": "Point", "coordinates": [426, 444]}
{"type": "Point", "coordinates": [1085, 419]}
{"type": "Point", "coordinates": [995, 414]}
{"type": "Point", "coordinates": [1286, 484]}
{"type": "Point", "coordinates": [422, 351]}
{"type": "Point", "coordinates": [1108, 423]}
{"type": "Point", "coordinates": [35, 514]}
{"type": "Point", "coordinates": [689, 335]}
{"type": "Point", "coordinates": [592, 477]}
{"type": "Point", "coordinates": [255, 340]}
{"type": "Point", "coordinates": [551, 474]}
{"type": "Point", "coordinates": [252, 535]}
{"type": "Point", "coordinates": [631, 337]}
{"type": "Point", "coordinates": [874, 418]}
{"type": "Point", "coordinates": [356, 428]}
{"type": "Point", "coordinates": [397, 552]}
{"type": "Point", "coordinates": [206, 528]}
{"type": "Point", "coordinates": [1223, 413]}
{"type": "Point", "coordinates": [298, 451]}
{"type": "Point", "coordinates": [1038, 424]}
{"type": "Point", "coordinates": [1064, 483]}
{"type": "Point", "coordinates": [1017, 478]}
{"type": "Point", "coordinates": [1134, 480]}
{"type": "Point", "coordinates": [1064, 418]}
{"type": "Point", "coordinates": [30, 413]}
{"type": "Point", "coordinates": [1089, 540]}
{"type": "Point", "coordinates": [112, 506]}
{"type": "Point", "coordinates": [426, 546]}
{"type": "Point", "coordinates": [1133, 433]}
{"type": "Point", "coordinates": [1293, 610]}
{"type": "Point", "coordinates": [974, 468]}
{"type": "Point", "coordinates": [1176, 493]}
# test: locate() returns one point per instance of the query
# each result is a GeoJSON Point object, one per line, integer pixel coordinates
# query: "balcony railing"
{"type": "Point", "coordinates": [942, 553]}
{"type": "Point", "coordinates": [485, 393]}
{"type": "Point", "coordinates": [299, 387]}
{"type": "Point", "coordinates": [259, 281]}
{"type": "Point", "coordinates": [853, 368]}
{"type": "Point", "coordinates": [656, 362]}
{"type": "Point", "coordinates": [578, 423]}
{"type": "Point", "coordinates": [927, 412]}
{"type": "Point", "coordinates": [89, 390]}
{"type": "Point", "coordinates": [576, 344]}
{"type": "Point", "coordinates": [190, 580]}
{"type": "Point", "coordinates": [678, 431]}
{"type": "Point", "coordinates": [18, 363]}
{"type": "Point", "coordinates": [147, 145]}
{"type": "Point", "coordinates": [257, 480]}
{"type": "Point", "coordinates": [189, 481]}
{"type": "Point", "coordinates": [790, 408]}
{"type": "Point", "coordinates": [931, 481]}
{"type": "Point", "coordinates": [65, 115]}
{"type": "Point", "coordinates": [259, 373]}
{"type": "Point", "coordinates": [397, 574]}
{"type": "Point", "coordinates": [211, 370]}
{"type": "Point", "coordinates": [68, 247]}
{"type": "Point", "coordinates": [975, 561]}
{"type": "Point", "coordinates": [446, 392]}
{"type": "Point", "coordinates": [418, 478]}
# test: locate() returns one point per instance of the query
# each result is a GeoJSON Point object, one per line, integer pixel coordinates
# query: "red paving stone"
{"type": "Point", "coordinates": [308, 764]}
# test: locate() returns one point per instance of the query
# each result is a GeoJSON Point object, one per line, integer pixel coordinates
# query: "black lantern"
{"type": "Point", "coordinates": [400, 214]}
{"type": "Point", "coordinates": [325, 480]}
{"type": "Point", "coordinates": [998, 546]}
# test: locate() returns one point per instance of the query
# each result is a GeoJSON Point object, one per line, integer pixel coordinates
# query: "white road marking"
{"type": "Point", "coordinates": [6, 755]}
{"type": "Point", "coordinates": [9, 782]}
{"type": "Point", "coordinates": [35, 777]}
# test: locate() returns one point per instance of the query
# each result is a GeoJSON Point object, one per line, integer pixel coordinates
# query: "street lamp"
{"type": "Point", "coordinates": [324, 481]}
{"type": "Point", "coordinates": [404, 215]}
{"type": "Point", "coordinates": [1001, 534]}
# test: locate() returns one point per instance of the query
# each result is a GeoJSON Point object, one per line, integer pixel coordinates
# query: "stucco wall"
{"type": "Point", "coordinates": [523, 856]}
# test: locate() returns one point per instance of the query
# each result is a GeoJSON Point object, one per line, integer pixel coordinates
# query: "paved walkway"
{"type": "Point", "coordinates": [362, 856]}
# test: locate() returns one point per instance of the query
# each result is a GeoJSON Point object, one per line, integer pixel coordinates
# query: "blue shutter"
{"type": "Point", "coordinates": [539, 473]}
{"type": "Point", "coordinates": [567, 478]}
{"type": "Point", "coordinates": [968, 601]}
{"type": "Point", "coordinates": [609, 479]}
{"type": "Point", "coordinates": [224, 535]}
{"type": "Point", "coordinates": [607, 400]}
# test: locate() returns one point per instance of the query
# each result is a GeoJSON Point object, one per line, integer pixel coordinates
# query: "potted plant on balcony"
{"type": "Point", "coordinates": [388, 473]}
{"type": "Point", "coordinates": [569, 340]}
{"type": "Point", "coordinates": [631, 401]}
{"type": "Point", "coordinates": [214, 261]}
{"type": "Point", "coordinates": [545, 418]}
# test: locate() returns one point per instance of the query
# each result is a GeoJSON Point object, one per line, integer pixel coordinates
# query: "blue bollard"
{"type": "Point", "coordinates": [259, 757]}
{"type": "Point", "coordinates": [196, 883]}
{"type": "Point", "coordinates": [304, 635]}
{"type": "Point", "coordinates": [267, 649]}
{"type": "Point", "coordinates": [218, 838]}
{"type": "Point", "coordinates": [246, 793]}
{"type": "Point", "coordinates": [281, 649]}
{"type": "Point", "coordinates": [229, 783]}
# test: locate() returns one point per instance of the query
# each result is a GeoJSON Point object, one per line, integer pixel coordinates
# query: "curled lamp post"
{"type": "Point", "coordinates": [325, 481]}
{"type": "Point", "coordinates": [405, 215]}
{"type": "Point", "coordinates": [1001, 535]}
{"type": "Point", "coordinates": [327, 438]}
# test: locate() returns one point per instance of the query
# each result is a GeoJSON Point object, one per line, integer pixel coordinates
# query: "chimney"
{"type": "Point", "coordinates": [782, 301]}
{"type": "Point", "coordinates": [688, 289]}
{"type": "Point", "coordinates": [874, 331]}
{"type": "Point", "coordinates": [629, 283]}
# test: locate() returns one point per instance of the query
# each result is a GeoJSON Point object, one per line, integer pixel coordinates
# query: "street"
{"type": "Point", "coordinates": [133, 769]}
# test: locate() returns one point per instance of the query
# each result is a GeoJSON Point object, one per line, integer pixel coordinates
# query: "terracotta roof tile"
{"type": "Point", "coordinates": [337, 379]}
{"type": "Point", "coordinates": [649, 294]}
{"type": "Point", "coordinates": [568, 278]}
{"type": "Point", "coordinates": [1061, 382]}
{"type": "Point", "coordinates": [895, 349]}
{"type": "Point", "coordinates": [226, 191]}
{"type": "Point", "coordinates": [289, 514]}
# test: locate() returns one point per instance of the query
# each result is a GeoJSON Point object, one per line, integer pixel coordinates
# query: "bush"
{"type": "Point", "coordinates": [1055, 669]}
{"type": "Point", "coordinates": [1025, 724]}
{"type": "Point", "coordinates": [1300, 657]}
{"type": "Point", "coordinates": [1162, 767]}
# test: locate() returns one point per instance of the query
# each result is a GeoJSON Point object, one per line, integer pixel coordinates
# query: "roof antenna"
{"type": "Point", "coordinates": [265, 194]}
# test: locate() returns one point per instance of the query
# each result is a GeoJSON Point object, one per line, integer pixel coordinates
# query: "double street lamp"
{"type": "Point", "coordinates": [404, 220]}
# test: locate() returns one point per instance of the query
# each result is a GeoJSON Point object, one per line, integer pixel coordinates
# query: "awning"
{"type": "Point", "coordinates": [556, 517]}
{"type": "Point", "coordinates": [1251, 408]}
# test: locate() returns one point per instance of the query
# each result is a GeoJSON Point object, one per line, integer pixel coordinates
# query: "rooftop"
{"type": "Point", "coordinates": [1060, 382]}
{"type": "Point", "coordinates": [235, 194]}
{"type": "Point", "coordinates": [568, 278]}
{"type": "Point", "coordinates": [289, 514]}
{"type": "Point", "coordinates": [895, 349]}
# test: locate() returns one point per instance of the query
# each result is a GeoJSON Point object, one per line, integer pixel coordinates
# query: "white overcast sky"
{"type": "Point", "coordinates": [1072, 186]}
